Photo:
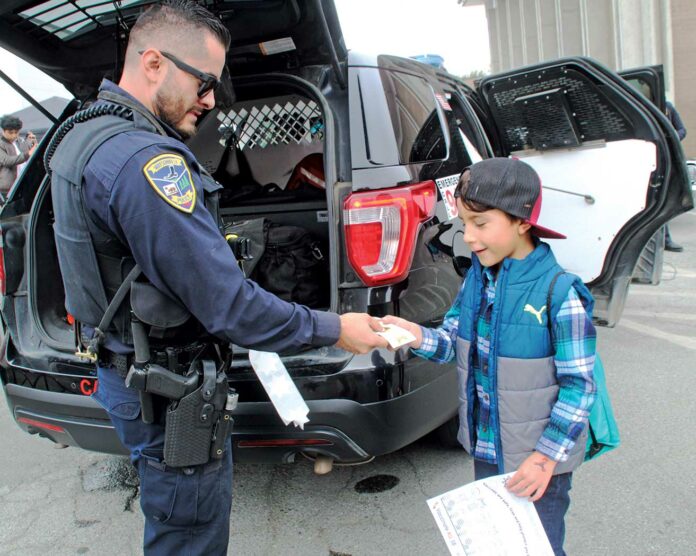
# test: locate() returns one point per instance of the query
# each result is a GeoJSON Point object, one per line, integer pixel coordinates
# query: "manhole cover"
{"type": "Point", "coordinates": [377, 483]}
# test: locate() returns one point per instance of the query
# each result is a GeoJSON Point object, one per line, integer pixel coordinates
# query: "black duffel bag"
{"type": "Point", "coordinates": [285, 260]}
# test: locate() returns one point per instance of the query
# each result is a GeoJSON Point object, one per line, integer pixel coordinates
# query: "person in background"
{"type": "Point", "coordinates": [679, 126]}
{"type": "Point", "coordinates": [521, 334]}
{"type": "Point", "coordinates": [24, 144]}
{"type": "Point", "coordinates": [13, 153]}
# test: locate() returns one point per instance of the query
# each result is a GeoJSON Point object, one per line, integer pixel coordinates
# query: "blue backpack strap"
{"type": "Point", "coordinates": [549, 297]}
{"type": "Point", "coordinates": [559, 287]}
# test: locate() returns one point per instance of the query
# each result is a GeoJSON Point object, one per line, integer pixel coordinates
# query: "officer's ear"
{"type": "Point", "coordinates": [152, 63]}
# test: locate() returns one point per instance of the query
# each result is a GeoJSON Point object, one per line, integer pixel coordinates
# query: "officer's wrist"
{"type": "Point", "coordinates": [327, 328]}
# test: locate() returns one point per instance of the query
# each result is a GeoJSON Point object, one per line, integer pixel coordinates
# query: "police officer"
{"type": "Point", "coordinates": [130, 202]}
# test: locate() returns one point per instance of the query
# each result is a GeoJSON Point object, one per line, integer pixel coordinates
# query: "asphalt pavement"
{"type": "Point", "coordinates": [639, 500]}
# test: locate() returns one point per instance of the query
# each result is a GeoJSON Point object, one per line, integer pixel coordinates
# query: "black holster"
{"type": "Point", "coordinates": [198, 418]}
{"type": "Point", "coordinates": [191, 423]}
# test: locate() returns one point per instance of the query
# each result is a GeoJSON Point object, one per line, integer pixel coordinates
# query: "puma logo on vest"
{"type": "Point", "coordinates": [529, 309]}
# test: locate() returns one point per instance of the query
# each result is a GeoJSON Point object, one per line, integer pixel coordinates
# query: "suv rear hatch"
{"type": "Point", "coordinates": [80, 42]}
{"type": "Point", "coordinates": [275, 122]}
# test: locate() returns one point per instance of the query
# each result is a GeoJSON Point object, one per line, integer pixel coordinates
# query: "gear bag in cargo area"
{"type": "Point", "coordinates": [288, 261]}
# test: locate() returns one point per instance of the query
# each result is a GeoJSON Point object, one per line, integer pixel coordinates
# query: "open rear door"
{"type": "Point", "coordinates": [611, 166]}
{"type": "Point", "coordinates": [649, 81]}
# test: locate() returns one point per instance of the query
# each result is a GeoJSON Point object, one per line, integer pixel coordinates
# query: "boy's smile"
{"type": "Point", "coordinates": [494, 236]}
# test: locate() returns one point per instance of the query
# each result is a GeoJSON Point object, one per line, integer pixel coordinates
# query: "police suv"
{"type": "Point", "coordinates": [363, 152]}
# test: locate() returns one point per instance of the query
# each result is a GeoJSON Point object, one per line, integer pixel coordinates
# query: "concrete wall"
{"type": "Point", "coordinates": [683, 14]}
{"type": "Point", "coordinates": [621, 34]}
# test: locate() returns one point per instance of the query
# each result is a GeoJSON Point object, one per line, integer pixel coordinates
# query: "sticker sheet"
{"type": "Point", "coordinates": [484, 519]}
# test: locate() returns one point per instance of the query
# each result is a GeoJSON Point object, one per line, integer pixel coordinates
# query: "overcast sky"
{"type": "Point", "coordinates": [401, 27]}
{"type": "Point", "coordinates": [410, 27]}
{"type": "Point", "coordinates": [35, 82]}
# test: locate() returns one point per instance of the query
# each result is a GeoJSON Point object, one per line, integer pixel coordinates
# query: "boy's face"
{"type": "Point", "coordinates": [493, 235]}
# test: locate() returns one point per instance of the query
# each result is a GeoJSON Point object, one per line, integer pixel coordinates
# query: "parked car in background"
{"type": "Point", "coordinates": [691, 168]}
{"type": "Point", "coordinates": [394, 135]}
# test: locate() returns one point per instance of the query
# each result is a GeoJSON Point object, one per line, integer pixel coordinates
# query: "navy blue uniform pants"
{"type": "Point", "coordinates": [551, 508]}
{"type": "Point", "coordinates": [187, 510]}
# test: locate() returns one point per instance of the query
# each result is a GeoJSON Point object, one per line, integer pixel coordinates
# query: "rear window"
{"type": "Point", "coordinates": [413, 110]}
{"type": "Point", "coordinates": [67, 18]}
{"type": "Point", "coordinates": [463, 149]}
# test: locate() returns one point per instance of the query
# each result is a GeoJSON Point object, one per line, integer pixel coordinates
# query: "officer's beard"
{"type": "Point", "coordinates": [172, 110]}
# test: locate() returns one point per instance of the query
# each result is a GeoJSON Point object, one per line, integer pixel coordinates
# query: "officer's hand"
{"type": "Point", "coordinates": [358, 333]}
{"type": "Point", "coordinates": [532, 477]}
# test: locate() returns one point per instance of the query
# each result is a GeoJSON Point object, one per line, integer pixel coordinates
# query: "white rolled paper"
{"type": "Point", "coordinates": [280, 388]}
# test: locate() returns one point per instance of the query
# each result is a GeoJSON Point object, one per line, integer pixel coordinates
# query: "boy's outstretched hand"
{"type": "Point", "coordinates": [412, 327]}
{"type": "Point", "coordinates": [532, 477]}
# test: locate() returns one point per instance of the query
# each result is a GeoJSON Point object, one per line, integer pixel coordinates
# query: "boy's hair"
{"type": "Point", "coordinates": [11, 123]}
{"type": "Point", "coordinates": [505, 184]}
{"type": "Point", "coordinates": [173, 23]}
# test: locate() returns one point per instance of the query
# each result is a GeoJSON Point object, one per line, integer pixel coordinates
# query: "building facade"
{"type": "Point", "coordinates": [621, 34]}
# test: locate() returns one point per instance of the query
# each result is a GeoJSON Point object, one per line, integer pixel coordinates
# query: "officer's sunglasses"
{"type": "Point", "coordinates": [208, 82]}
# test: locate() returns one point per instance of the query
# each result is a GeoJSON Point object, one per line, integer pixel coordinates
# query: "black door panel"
{"type": "Point", "coordinates": [578, 112]}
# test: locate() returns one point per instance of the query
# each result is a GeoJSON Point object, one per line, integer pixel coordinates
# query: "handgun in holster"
{"type": "Point", "coordinates": [198, 418]}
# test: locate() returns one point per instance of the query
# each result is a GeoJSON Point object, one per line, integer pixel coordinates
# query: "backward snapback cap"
{"type": "Point", "coordinates": [512, 186]}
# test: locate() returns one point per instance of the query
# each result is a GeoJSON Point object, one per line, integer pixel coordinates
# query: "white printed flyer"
{"type": "Point", "coordinates": [484, 519]}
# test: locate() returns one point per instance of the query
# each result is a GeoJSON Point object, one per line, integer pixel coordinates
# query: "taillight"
{"type": "Point", "coordinates": [283, 442]}
{"type": "Point", "coordinates": [40, 424]}
{"type": "Point", "coordinates": [381, 229]}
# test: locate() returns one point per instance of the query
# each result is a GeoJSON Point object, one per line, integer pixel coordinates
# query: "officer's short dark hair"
{"type": "Point", "coordinates": [11, 123]}
{"type": "Point", "coordinates": [183, 14]}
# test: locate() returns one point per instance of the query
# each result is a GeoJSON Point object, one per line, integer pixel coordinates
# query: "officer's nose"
{"type": "Point", "coordinates": [208, 100]}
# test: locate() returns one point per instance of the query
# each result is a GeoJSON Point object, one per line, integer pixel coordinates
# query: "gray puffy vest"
{"type": "Point", "coordinates": [523, 373]}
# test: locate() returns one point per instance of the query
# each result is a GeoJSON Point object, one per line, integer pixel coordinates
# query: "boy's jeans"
{"type": "Point", "coordinates": [551, 508]}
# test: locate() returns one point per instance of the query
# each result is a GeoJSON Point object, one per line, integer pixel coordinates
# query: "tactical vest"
{"type": "Point", "coordinates": [93, 262]}
{"type": "Point", "coordinates": [522, 370]}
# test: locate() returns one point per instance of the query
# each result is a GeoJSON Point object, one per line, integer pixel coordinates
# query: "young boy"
{"type": "Point", "coordinates": [525, 394]}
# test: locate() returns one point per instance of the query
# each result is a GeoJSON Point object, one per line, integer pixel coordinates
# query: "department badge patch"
{"type": "Point", "coordinates": [171, 178]}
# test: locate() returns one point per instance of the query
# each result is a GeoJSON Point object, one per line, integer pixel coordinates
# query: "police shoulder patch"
{"type": "Point", "coordinates": [170, 177]}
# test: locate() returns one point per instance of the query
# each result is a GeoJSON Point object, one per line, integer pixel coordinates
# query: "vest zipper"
{"type": "Point", "coordinates": [501, 280]}
{"type": "Point", "coordinates": [472, 398]}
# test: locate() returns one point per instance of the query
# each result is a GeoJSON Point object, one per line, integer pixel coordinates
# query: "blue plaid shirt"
{"type": "Point", "coordinates": [574, 341]}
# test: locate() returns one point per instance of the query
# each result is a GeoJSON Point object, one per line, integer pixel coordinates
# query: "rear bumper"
{"type": "Point", "coordinates": [68, 419]}
{"type": "Point", "coordinates": [344, 430]}
{"type": "Point", "coordinates": [358, 431]}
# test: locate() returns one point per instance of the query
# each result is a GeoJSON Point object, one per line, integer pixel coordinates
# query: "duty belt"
{"type": "Point", "coordinates": [176, 359]}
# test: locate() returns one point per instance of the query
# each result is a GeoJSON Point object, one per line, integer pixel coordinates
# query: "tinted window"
{"type": "Point", "coordinates": [463, 150]}
{"type": "Point", "coordinates": [413, 110]}
{"type": "Point", "coordinates": [642, 86]}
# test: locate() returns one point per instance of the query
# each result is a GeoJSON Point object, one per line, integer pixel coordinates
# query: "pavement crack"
{"type": "Point", "coordinates": [416, 474]}
{"type": "Point", "coordinates": [128, 506]}
{"type": "Point", "coordinates": [81, 523]}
